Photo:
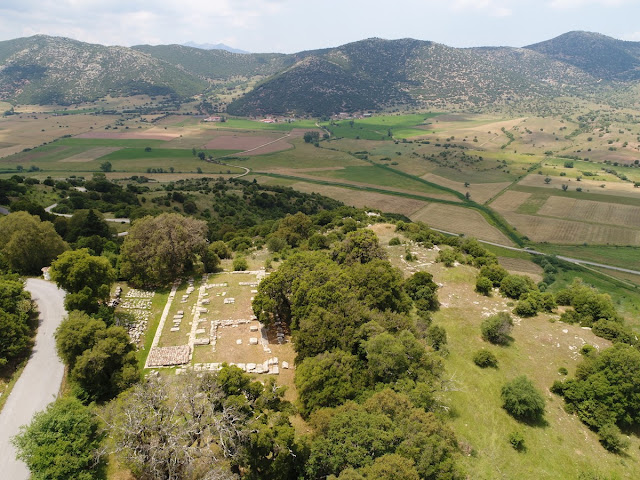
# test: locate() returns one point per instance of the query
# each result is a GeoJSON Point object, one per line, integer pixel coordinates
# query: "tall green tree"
{"type": "Point", "coordinates": [160, 249]}
{"type": "Point", "coordinates": [62, 443]}
{"type": "Point", "coordinates": [28, 244]}
{"type": "Point", "coordinates": [101, 360]}
{"type": "Point", "coordinates": [15, 310]}
{"type": "Point", "coordinates": [86, 278]}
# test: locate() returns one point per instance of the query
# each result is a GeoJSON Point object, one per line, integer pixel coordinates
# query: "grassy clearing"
{"type": "Point", "coordinates": [375, 175]}
{"type": "Point", "coordinates": [303, 155]}
{"type": "Point", "coordinates": [244, 124]}
{"type": "Point", "coordinates": [380, 127]}
{"type": "Point", "coordinates": [160, 153]}
{"type": "Point", "coordinates": [562, 447]}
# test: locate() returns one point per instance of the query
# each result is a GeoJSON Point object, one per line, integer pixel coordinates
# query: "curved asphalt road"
{"type": "Point", "coordinates": [40, 381]}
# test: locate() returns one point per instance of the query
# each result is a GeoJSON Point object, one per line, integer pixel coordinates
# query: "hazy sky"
{"type": "Point", "coordinates": [294, 25]}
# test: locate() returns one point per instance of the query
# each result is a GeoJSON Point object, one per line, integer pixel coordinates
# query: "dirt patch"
{"type": "Point", "coordinates": [90, 155]}
{"type": "Point", "coordinates": [361, 199]}
{"type": "Point", "coordinates": [151, 134]}
{"type": "Point", "coordinates": [460, 220]}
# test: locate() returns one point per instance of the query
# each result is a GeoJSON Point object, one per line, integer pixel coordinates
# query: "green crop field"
{"type": "Point", "coordinates": [243, 124]}
{"type": "Point", "coordinates": [380, 127]}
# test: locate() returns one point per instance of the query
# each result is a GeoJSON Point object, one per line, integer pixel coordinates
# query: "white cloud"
{"type": "Point", "coordinates": [632, 37]}
{"type": "Point", "coordinates": [127, 22]}
{"type": "Point", "coordinates": [494, 8]}
{"type": "Point", "coordinates": [568, 4]}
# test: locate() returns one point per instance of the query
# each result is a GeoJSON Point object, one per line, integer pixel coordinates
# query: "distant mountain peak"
{"type": "Point", "coordinates": [216, 46]}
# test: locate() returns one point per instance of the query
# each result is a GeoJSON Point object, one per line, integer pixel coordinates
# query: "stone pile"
{"type": "Point", "coordinates": [269, 366]}
{"type": "Point", "coordinates": [135, 293]}
{"type": "Point", "coordinates": [169, 356]}
{"type": "Point", "coordinates": [138, 305]}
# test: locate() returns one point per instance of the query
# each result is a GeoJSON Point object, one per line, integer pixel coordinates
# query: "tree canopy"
{"type": "Point", "coordinates": [62, 443]}
{"type": "Point", "coordinates": [606, 388]}
{"type": "Point", "coordinates": [86, 278]}
{"type": "Point", "coordinates": [101, 360]}
{"type": "Point", "coordinates": [522, 400]}
{"type": "Point", "coordinates": [160, 249]}
{"type": "Point", "coordinates": [15, 310]}
{"type": "Point", "coordinates": [27, 244]}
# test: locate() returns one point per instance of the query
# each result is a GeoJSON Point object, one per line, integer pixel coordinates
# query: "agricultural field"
{"type": "Point", "coordinates": [518, 167]}
{"type": "Point", "coordinates": [460, 220]}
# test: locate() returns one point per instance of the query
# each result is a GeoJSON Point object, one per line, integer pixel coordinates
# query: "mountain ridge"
{"type": "Point", "coordinates": [368, 74]}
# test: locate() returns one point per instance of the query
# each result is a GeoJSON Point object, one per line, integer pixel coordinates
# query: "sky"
{"type": "Point", "coordinates": [289, 26]}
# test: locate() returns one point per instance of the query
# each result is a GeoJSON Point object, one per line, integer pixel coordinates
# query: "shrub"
{"type": "Point", "coordinates": [522, 400]}
{"type": "Point", "coordinates": [563, 371]}
{"type": "Point", "coordinates": [517, 441]}
{"type": "Point", "coordinates": [484, 286]}
{"type": "Point", "coordinates": [436, 337]}
{"type": "Point", "coordinates": [485, 359]}
{"type": "Point", "coordinates": [588, 350]}
{"type": "Point", "coordinates": [240, 264]}
{"type": "Point", "coordinates": [514, 286]}
{"type": "Point", "coordinates": [496, 329]}
{"type": "Point", "coordinates": [448, 257]}
{"type": "Point", "coordinates": [611, 438]}
{"type": "Point", "coordinates": [394, 241]}
{"type": "Point", "coordinates": [494, 272]}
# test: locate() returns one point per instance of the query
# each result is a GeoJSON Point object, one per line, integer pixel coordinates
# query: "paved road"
{"type": "Point", "coordinates": [40, 381]}
{"type": "Point", "coordinates": [68, 215]}
{"type": "Point", "coordinates": [577, 261]}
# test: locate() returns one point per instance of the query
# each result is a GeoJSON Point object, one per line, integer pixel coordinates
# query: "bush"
{"type": "Point", "coordinates": [514, 286]}
{"type": "Point", "coordinates": [522, 400]}
{"type": "Point", "coordinates": [484, 286]}
{"type": "Point", "coordinates": [394, 241]}
{"type": "Point", "coordinates": [517, 441]}
{"type": "Point", "coordinates": [240, 264]}
{"type": "Point", "coordinates": [485, 359]}
{"type": "Point", "coordinates": [525, 308]}
{"type": "Point", "coordinates": [494, 272]}
{"type": "Point", "coordinates": [436, 337]}
{"type": "Point", "coordinates": [447, 257]}
{"type": "Point", "coordinates": [611, 438]}
{"type": "Point", "coordinates": [496, 329]}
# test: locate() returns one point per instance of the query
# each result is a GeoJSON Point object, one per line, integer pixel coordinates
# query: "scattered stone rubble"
{"type": "Point", "coordinates": [169, 356]}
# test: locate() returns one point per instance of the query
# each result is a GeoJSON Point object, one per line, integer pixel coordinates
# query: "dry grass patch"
{"type": "Point", "coordinates": [361, 199]}
{"type": "Point", "coordinates": [460, 220]}
{"type": "Point", "coordinates": [89, 155]}
{"type": "Point", "coordinates": [553, 230]}
{"type": "Point", "coordinates": [480, 192]}
{"type": "Point", "coordinates": [28, 131]}
{"type": "Point", "coordinates": [590, 211]}
{"type": "Point", "coordinates": [510, 201]}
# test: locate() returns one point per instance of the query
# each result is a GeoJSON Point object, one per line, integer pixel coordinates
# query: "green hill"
{"type": "Point", "coordinates": [598, 55]}
{"type": "Point", "coordinates": [218, 64]}
{"type": "Point", "coordinates": [44, 70]}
